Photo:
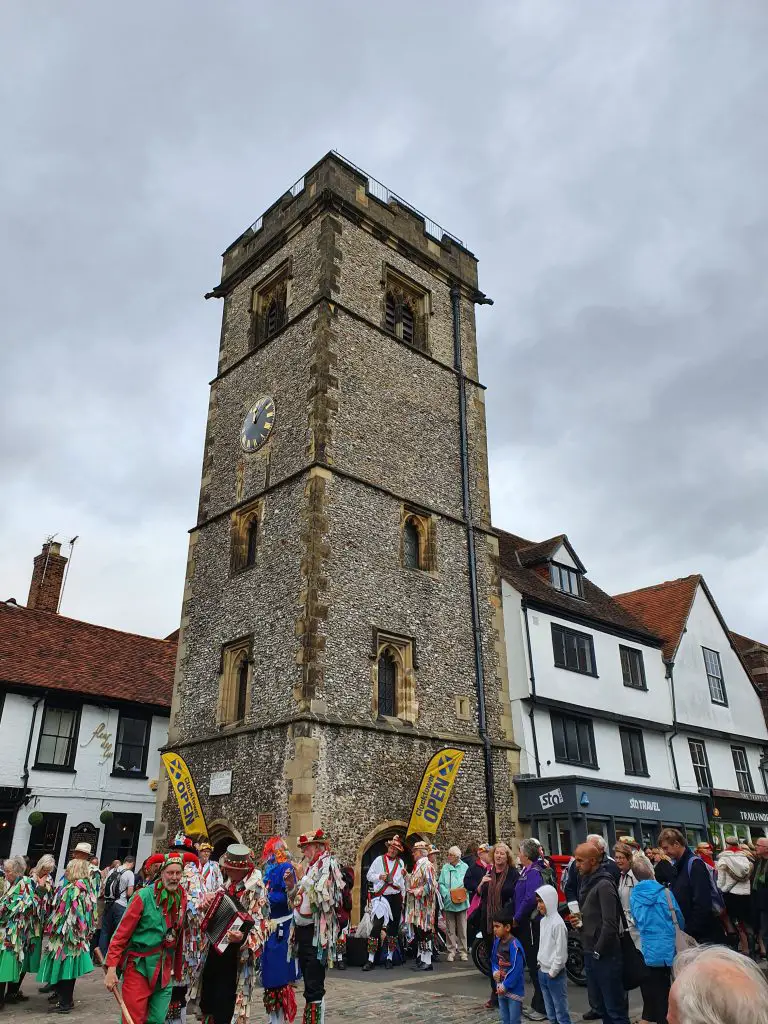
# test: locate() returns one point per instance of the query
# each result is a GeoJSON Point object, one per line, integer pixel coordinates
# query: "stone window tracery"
{"type": "Point", "coordinates": [405, 310]}
{"type": "Point", "coordinates": [245, 531]}
{"type": "Point", "coordinates": [235, 681]}
{"type": "Point", "coordinates": [270, 301]}
{"type": "Point", "coordinates": [418, 545]}
{"type": "Point", "coordinates": [394, 677]}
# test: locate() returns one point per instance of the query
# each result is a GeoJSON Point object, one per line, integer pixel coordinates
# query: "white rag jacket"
{"type": "Point", "coordinates": [553, 937]}
{"type": "Point", "coordinates": [733, 871]}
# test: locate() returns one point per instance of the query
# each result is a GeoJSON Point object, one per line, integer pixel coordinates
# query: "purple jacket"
{"type": "Point", "coordinates": [525, 892]}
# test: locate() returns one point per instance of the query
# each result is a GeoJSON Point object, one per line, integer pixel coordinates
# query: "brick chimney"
{"type": "Point", "coordinates": [47, 577]}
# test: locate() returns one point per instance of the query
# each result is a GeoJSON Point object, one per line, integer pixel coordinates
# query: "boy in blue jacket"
{"type": "Point", "coordinates": [507, 968]}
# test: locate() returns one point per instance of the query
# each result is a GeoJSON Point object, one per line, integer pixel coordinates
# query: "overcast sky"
{"type": "Point", "coordinates": [606, 161]}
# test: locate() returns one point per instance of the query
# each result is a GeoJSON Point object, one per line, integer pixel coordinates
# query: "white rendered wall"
{"type": "Point", "coordinates": [84, 793]}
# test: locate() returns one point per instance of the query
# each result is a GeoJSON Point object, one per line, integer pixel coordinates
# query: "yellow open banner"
{"type": "Point", "coordinates": [435, 788]}
{"type": "Point", "coordinates": [186, 795]}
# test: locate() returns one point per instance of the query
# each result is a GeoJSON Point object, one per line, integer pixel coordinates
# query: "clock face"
{"type": "Point", "coordinates": [258, 424]}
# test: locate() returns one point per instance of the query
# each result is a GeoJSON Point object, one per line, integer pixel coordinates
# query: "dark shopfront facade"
{"type": "Point", "coordinates": [742, 814]}
{"type": "Point", "coordinates": [562, 812]}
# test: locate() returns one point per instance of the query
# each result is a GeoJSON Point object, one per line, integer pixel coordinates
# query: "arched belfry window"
{"type": "Point", "coordinates": [242, 690]}
{"type": "Point", "coordinates": [246, 529]}
{"type": "Point", "coordinates": [270, 302]}
{"type": "Point", "coordinates": [274, 317]}
{"type": "Point", "coordinates": [405, 309]}
{"type": "Point", "coordinates": [411, 544]}
{"type": "Point", "coordinates": [387, 684]}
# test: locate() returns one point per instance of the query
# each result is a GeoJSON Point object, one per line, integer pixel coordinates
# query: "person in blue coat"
{"type": "Point", "coordinates": [278, 970]}
{"type": "Point", "coordinates": [507, 968]}
{"type": "Point", "coordinates": [655, 911]}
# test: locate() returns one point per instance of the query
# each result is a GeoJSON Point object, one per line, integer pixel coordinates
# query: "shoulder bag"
{"type": "Point", "coordinates": [633, 969]}
{"type": "Point", "coordinates": [682, 939]}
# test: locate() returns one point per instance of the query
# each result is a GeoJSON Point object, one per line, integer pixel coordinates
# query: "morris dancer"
{"type": "Point", "coordinates": [388, 880]}
{"type": "Point", "coordinates": [43, 878]}
{"type": "Point", "coordinates": [148, 945]}
{"type": "Point", "coordinates": [316, 925]}
{"type": "Point", "coordinates": [18, 918]}
{"type": "Point", "coordinates": [279, 971]}
{"type": "Point", "coordinates": [194, 945]}
{"type": "Point", "coordinates": [209, 869]}
{"type": "Point", "coordinates": [228, 979]}
{"type": "Point", "coordinates": [420, 905]}
{"type": "Point", "coordinates": [69, 934]}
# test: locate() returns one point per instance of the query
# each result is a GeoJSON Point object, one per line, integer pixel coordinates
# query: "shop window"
{"type": "Point", "coordinates": [633, 749]}
{"type": "Point", "coordinates": [632, 668]}
{"type": "Point", "coordinates": [700, 764]}
{"type": "Point", "coordinates": [57, 743]}
{"type": "Point", "coordinates": [573, 651]}
{"type": "Point", "coordinates": [46, 837]}
{"type": "Point", "coordinates": [573, 739]}
{"type": "Point", "coordinates": [743, 774]}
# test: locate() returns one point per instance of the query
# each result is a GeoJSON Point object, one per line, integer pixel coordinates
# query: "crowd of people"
{"type": "Point", "coordinates": [189, 933]}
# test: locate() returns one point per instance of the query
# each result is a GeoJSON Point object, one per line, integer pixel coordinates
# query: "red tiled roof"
{"type": "Point", "coordinates": [517, 557]}
{"type": "Point", "coordinates": [664, 608]}
{"type": "Point", "coordinates": [48, 651]}
{"type": "Point", "coordinates": [744, 645]}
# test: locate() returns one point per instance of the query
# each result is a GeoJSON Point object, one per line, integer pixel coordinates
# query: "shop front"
{"type": "Point", "coordinates": [741, 814]}
{"type": "Point", "coordinates": [562, 812]}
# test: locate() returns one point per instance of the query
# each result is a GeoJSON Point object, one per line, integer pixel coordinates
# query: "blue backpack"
{"type": "Point", "coordinates": [718, 903]}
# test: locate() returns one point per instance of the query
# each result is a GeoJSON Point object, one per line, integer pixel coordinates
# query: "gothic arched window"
{"type": "Point", "coordinates": [273, 317]}
{"type": "Point", "coordinates": [387, 684]}
{"type": "Point", "coordinates": [252, 539]}
{"type": "Point", "coordinates": [242, 690]}
{"type": "Point", "coordinates": [399, 317]}
{"type": "Point", "coordinates": [411, 544]}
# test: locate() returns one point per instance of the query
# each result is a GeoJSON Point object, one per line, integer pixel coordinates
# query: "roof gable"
{"type": "Point", "coordinates": [47, 651]}
{"type": "Point", "coordinates": [520, 564]}
{"type": "Point", "coordinates": [663, 608]}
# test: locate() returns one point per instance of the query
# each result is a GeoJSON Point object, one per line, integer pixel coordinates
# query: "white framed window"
{"type": "Point", "coordinates": [715, 676]}
{"type": "Point", "coordinates": [700, 764]}
{"type": "Point", "coordinates": [743, 774]}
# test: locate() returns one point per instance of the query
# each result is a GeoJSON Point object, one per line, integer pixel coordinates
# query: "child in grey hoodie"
{"type": "Point", "coordinates": [553, 956]}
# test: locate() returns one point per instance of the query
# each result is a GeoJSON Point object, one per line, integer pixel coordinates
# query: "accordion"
{"type": "Point", "coordinates": [223, 915]}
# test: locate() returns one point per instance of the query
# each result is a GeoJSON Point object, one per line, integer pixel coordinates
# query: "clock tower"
{"type": "Point", "coordinates": [342, 613]}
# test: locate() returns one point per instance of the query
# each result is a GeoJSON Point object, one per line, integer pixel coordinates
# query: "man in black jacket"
{"type": "Point", "coordinates": [599, 905]}
{"type": "Point", "coordinates": [692, 888]}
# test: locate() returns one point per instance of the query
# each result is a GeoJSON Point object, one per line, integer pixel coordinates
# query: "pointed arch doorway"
{"type": "Point", "coordinates": [221, 835]}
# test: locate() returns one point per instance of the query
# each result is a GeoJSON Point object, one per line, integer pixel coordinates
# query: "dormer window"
{"type": "Point", "coordinates": [565, 579]}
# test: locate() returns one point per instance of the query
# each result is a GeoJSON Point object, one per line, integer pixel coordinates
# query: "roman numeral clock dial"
{"type": "Point", "coordinates": [257, 425]}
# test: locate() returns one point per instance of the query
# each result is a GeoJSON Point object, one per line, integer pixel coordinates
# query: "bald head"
{"type": "Point", "coordinates": [716, 985]}
{"type": "Point", "coordinates": [587, 857]}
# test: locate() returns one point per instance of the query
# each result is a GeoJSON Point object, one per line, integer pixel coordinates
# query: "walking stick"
{"type": "Point", "coordinates": [99, 958]}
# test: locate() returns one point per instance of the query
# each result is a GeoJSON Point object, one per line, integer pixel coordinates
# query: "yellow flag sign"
{"type": "Point", "coordinates": [435, 788]}
{"type": "Point", "coordinates": [186, 795]}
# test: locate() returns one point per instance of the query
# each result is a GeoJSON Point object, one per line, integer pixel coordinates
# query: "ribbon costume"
{"type": "Point", "coordinates": [316, 924]}
{"type": "Point", "coordinates": [228, 979]}
{"type": "Point", "coordinates": [420, 904]}
{"type": "Point", "coordinates": [18, 920]}
{"type": "Point", "coordinates": [148, 945]}
{"type": "Point", "coordinates": [68, 931]}
{"type": "Point", "coordinates": [388, 881]}
{"type": "Point", "coordinates": [278, 970]}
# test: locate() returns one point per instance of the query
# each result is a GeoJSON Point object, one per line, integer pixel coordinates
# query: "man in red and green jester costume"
{"type": "Point", "coordinates": [148, 945]}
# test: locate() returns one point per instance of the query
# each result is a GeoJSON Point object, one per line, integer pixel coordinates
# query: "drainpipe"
{"type": "Point", "coordinates": [490, 799]}
{"type": "Point", "coordinates": [532, 712]}
{"type": "Point", "coordinates": [25, 776]}
{"type": "Point", "coordinates": [670, 742]}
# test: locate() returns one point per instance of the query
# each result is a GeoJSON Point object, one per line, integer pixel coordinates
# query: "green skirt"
{"type": "Point", "coordinates": [70, 967]}
{"type": "Point", "coordinates": [10, 968]}
{"type": "Point", "coordinates": [34, 955]}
